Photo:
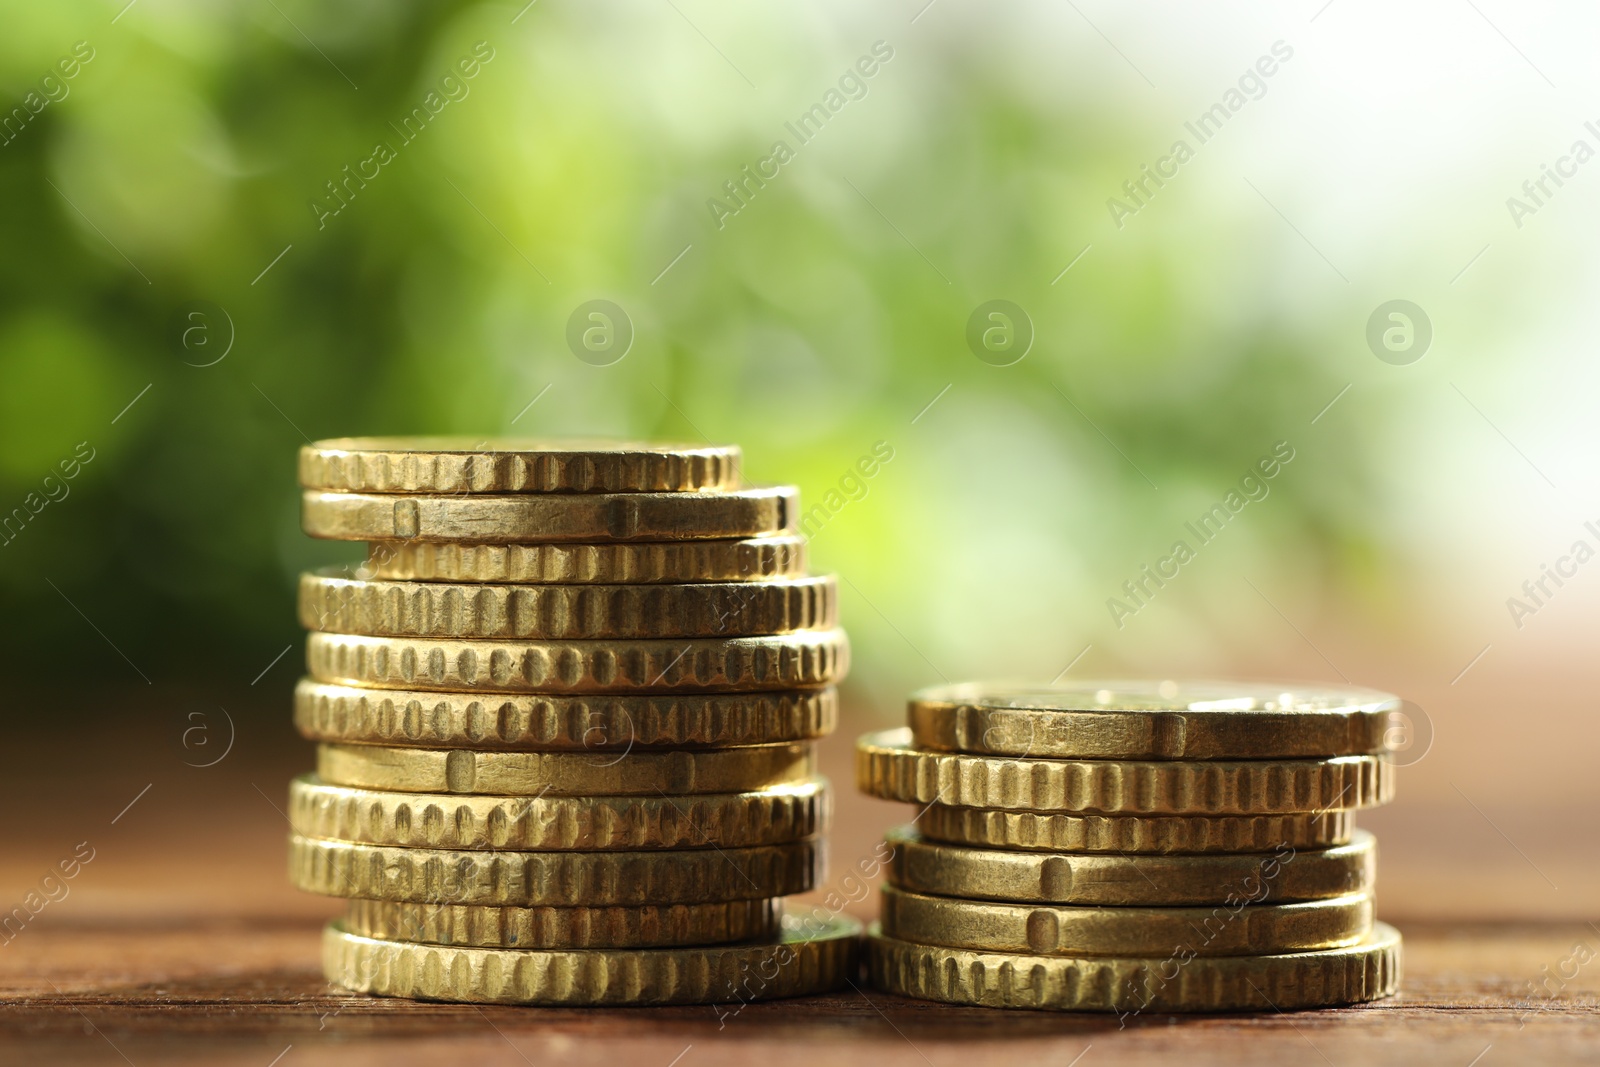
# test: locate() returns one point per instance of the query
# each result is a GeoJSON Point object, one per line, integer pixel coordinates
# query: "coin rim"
{"type": "Point", "coordinates": [983, 695]}
{"type": "Point", "coordinates": [383, 607]}
{"type": "Point", "coordinates": [943, 917]}
{"type": "Point", "coordinates": [316, 460]}
{"type": "Point", "coordinates": [792, 653]}
{"type": "Point", "coordinates": [339, 516]}
{"type": "Point", "coordinates": [787, 548]}
{"type": "Point", "coordinates": [324, 811]}
{"type": "Point", "coordinates": [540, 871]}
{"type": "Point", "coordinates": [939, 720]}
{"type": "Point", "coordinates": [972, 872]}
{"type": "Point", "coordinates": [565, 774]}
{"type": "Point", "coordinates": [878, 760]}
{"type": "Point", "coordinates": [819, 963]}
{"type": "Point", "coordinates": [1006, 980]}
{"type": "Point", "coordinates": [817, 707]}
{"type": "Point", "coordinates": [760, 917]}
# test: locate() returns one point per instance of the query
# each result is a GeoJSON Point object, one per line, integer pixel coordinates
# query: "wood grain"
{"type": "Point", "coordinates": [240, 992]}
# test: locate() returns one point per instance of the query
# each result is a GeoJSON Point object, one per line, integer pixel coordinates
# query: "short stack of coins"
{"type": "Point", "coordinates": [565, 715]}
{"type": "Point", "coordinates": [1133, 847]}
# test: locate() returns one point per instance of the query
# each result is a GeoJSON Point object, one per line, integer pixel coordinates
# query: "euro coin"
{"type": "Point", "coordinates": [1283, 981]}
{"type": "Point", "coordinates": [1153, 720]}
{"type": "Point", "coordinates": [699, 664]}
{"type": "Point", "coordinates": [750, 559]}
{"type": "Point", "coordinates": [801, 962]}
{"type": "Point", "coordinates": [1164, 834]}
{"type": "Point", "coordinates": [513, 465]}
{"type": "Point", "coordinates": [771, 816]}
{"type": "Point", "coordinates": [585, 517]}
{"type": "Point", "coordinates": [1237, 928]}
{"type": "Point", "coordinates": [336, 602]}
{"type": "Point", "coordinates": [644, 926]}
{"type": "Point", "coordinates": [459, 770]}
{"type": "Point", "coordinates": [890, 767]}
{"type": "Point", "coordinates": [1284, 875]}
{"type": "Point", "coordinates": [593, 723]}
{"type": "Point", "coordinates": [556, 879]}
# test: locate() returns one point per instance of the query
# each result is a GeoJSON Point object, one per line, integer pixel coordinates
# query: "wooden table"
{"type": "Point", "coordinates": [181, 942]}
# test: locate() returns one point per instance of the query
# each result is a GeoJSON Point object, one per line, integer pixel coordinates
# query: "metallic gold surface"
{"type": "Point", "coordinates": [738, 664]}
{"type": "Point", "coordinates": [557, 879]}
{"type": "Point", "coordinates": [1234, 929]}
{"type": "Point", "coordinates": [742, 560]}
{"type": "Point", "coordinates": [569, 774]}
{"type": "Point", "coordinates": [513, 465]}
{"type": "Point", "coordinates": [543, 928]}
{"type": "Point", "coordinates": [888, 766]}
{"type": "Point", "coordinates": [324, 712]}
{"type": "Point", "coordinates": [801, 963]}
{"type": "Point", "coordinates": [551, 517]}
{"type": "Point", "coordinates": [1128, 986]}
{"type": "Point", "coordinates": [1283, 875]}
{"type": "Point", "coordinates": [333, 601]}
{"type": "Point", "coordinates": [1165, 834]}
{"type": "Point", "coordinates": [772, 816]}
{"type": "Point", "coordinates": [1152, 720]}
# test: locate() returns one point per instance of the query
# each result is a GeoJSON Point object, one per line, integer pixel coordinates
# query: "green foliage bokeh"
{"type": "Point", "coordinates": [822, 317]}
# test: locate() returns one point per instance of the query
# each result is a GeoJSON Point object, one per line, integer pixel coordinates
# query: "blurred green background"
{"type": "Point", "coordinates": [179, 293]}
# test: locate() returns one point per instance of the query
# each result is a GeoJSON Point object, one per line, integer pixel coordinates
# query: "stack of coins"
{"type": "Point", "coordinates": [565, 715]}
{"type": "Point", "coordinates": [1134, 847]}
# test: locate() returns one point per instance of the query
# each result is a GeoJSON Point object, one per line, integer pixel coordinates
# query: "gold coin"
{"type": "Point", "coordinates": [1279, 982]}
{"type": "Point", "coordinates": [338, 603]}
{"type": "Point", "coordinates": [745, 560]}
{"type": "Point", "coordinates": [801, 963]}
{"type": "Point", "coordinates": [771, 816]}
{"type": "Point", "coordinates": [1055, 832]}
{"type": "Point", "coordinates": [549, 517]}
{"type": "Point", "coordinates": [1150, 720]}
{"type": "Point", "coordinates": [888, 766]}
{"type": "Point", "coordinates": [325, 712]}
{"type": "Point", "coordinates": [513, 465]}
{"type": "Point", "coordinates": [720, 664]}
{"type": "Point", "coordinates": [645, 926]}
{"type": "Point", "coordinates": [1238, 929]}
{"type": "Point", "coordinates": [569, 774]}
{"type": "Point", "coordinates": [557, 879]}
{"type": "Point", "coordinates": [1284, 875]}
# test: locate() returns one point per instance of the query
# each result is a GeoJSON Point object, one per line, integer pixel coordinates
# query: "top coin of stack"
{"type": "Point", "coordinates": [566, 712]}
{"type": "Point", "coordinates": [1131, 846]}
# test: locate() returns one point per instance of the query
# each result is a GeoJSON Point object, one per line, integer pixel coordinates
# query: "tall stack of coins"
{"type": "Point", "coordinates": [1134, 847]}
{"type": "Point", "coordinates": [565, 716]}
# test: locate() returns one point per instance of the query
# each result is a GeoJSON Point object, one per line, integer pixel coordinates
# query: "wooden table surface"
{"type": "Point", "coordinates": [181, 942]}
